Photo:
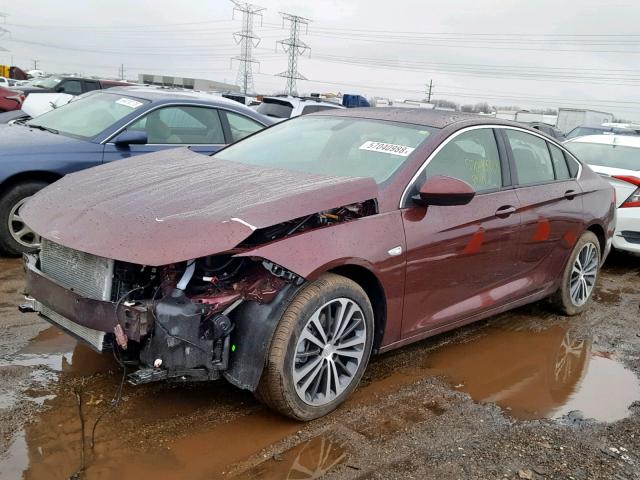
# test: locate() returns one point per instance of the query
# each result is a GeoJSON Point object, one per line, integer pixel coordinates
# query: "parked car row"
{"type": "Point", "coordinates": [285, 260]}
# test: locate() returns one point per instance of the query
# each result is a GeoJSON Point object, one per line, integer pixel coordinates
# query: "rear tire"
{"type": "Point", "coordinates": [319, 349]}
{"type": "Point", "coordinates": [15, 237]}
{"type": "Point", "coordinates": [579, 276]}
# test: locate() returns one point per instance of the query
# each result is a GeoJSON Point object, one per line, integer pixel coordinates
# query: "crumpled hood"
{"type": "Point", "coordinates": [175, 205]}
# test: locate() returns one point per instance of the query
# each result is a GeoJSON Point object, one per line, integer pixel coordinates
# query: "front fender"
{"type": "Point", "coordinates": [366, 241]}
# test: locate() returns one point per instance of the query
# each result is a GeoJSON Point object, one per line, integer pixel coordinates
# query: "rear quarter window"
{"type": "Point", "coordinates": [531, 158]}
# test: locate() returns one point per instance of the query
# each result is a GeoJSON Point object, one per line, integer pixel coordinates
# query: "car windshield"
{"type": "Point", "coordinates": [48, 82]}
{"type": "Point", "coordinates": [603, 155]}
{"type": "Point", "coordinates": [275, 108]}
{"type": "Point", "coordinates": [341, 146]}
{"type": "Point", "coordinates": [88, 116]}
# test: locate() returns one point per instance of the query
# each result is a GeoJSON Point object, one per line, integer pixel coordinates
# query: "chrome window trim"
{"type": "Point", "coordinates": [173, 104]}
{"type": "Point", "coordinates": [415, 177]}
{"type": "Point", "coordinates": [178, 145]}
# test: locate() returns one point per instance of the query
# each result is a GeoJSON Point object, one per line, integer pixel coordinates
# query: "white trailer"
{"type": "Point", "coordinates": [528, 117]}
{"type": "Point", "coordinates": [570, 118]}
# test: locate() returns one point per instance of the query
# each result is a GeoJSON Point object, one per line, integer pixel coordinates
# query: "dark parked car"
{"type": "Point", "coordinates": [69, 85]}
{"type": "Point", "coordinates": [550, 130]}
{"type": "Point", "coordinates": [10, 99]}
{"type": "Point", "coordinates": [101, 127]}
{"type": "Point", "coordinates": [283, 262]}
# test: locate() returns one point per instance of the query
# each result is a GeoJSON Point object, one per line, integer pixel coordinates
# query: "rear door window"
{"type": "Point", "coordinates": [531, 158]}
{"type": "Point", "coordinates": [473, 157]}
{"type": "Point", "coordinates": [182, 125]}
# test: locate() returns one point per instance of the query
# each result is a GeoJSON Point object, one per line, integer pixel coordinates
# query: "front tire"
{"type": "Point", "coordinates": [15, 237]}
{"type": "Point", "coordinates": [579, 276]}
{"type": "Point", "coordinates": [319, 349]}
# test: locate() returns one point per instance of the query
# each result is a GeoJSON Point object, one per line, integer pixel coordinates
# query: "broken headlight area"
{"type": "Point", "coordinates": [311, 222]}
{"type": "Point", "coordinates": [191, 306]}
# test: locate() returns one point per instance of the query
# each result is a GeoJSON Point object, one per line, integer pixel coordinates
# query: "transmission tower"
{"type": "Point", "coordinates": [3, 31]}
{"type": "Point", "coordinates": [247, 41]}
{"type": "Point", "coordinates": [294, 47]}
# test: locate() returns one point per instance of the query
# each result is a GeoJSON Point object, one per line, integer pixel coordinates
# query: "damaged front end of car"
{"type": "Point", "coordinates": [191, 320]}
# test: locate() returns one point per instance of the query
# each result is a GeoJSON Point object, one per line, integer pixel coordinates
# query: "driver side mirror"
{"type": "Point", "coordinates": [131, 137]}
{"type": "Point", "coordinates": [442, 190]}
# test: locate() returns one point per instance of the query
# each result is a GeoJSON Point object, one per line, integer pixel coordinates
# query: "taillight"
{"type": "Point", "coordinates": [634, 198]}
{"type": "Point", "coordinates": [16, 98]}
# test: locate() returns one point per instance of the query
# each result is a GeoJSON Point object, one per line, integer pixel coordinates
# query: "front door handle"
{"type": "Point", "coordinates": [570, 194]}
{"type": "Point", "coordinates": [504, 212]}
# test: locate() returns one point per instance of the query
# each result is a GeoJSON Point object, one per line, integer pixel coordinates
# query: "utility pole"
{"type": "Point", "coordinates": [121, 71]}
{"type": "Point", "coordinates": [429, 88]}
{"type": "Point", "coordinates": [294, 47]}
{"type": "Point", "coordinates": [247, 41]}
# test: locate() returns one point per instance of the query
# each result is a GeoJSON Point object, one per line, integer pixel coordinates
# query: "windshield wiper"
{"type": "Point", "coordinates": [42, 127]}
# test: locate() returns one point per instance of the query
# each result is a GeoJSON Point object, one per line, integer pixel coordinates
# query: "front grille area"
{"type": "Point", "coordinates": [94, 338]}
{"type": "Point", "coordinates": [88, 275]}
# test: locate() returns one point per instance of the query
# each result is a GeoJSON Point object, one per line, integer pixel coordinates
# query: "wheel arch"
{"type": "Point", "coordinates": [33, 175]}
{"type": "Point", "coordinates": [599, 231]}
{"type": "Point", "coordinates": [372, 286]}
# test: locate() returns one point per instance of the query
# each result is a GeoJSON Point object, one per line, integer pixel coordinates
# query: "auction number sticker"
{"type": "Point", "coordinates": [391, 148]}
{"type": "Point", "coordinates": [127, 102]}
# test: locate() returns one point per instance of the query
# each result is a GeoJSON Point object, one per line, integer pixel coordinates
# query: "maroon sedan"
{"type": "Point", "coordinates": [10, 99]}
{"type": "Point", "coordinates": [284, 261]}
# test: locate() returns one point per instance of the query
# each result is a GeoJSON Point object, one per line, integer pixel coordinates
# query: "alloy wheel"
{"type": "Point", "coordinates": [19, 230]}
{"type": "Point", "coordinates": [329, 351]}
{"type": "Point", "coordinates": [583, 274]}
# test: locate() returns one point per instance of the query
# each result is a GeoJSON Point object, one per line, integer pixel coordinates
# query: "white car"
{"type": "Point", "coordinates": [288, 107]}
{"type": "Point", "coordinates": [7, 82]}
{"type": "Point", "coordinates": [616, 157]}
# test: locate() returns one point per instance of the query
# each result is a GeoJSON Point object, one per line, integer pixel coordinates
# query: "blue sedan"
{"type": "Point", "coordinates": [103, 126]}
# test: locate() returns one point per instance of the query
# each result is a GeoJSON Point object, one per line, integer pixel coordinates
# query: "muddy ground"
{"type": "Point", "coordinates": [527, 394]}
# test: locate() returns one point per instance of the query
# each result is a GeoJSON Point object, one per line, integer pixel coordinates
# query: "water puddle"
{"type": "Point", "coordinates": [310, 460]}
{"type": "Point", "coordinates": [538, 374]}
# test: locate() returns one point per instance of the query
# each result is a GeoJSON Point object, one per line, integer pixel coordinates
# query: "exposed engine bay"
{"type": "Point", "coordinates": [176, 321]}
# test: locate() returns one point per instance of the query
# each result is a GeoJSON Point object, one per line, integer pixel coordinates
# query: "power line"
{"type": "Point", "coordinates": [247, 41]}
{"type": "Point", "coordinates": [294, 47]}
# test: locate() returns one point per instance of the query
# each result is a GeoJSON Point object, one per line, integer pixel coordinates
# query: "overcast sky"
{"type": "Point", "coordinates": [532, 54]}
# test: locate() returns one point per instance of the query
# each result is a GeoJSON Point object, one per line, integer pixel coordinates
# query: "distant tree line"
{"type": "Point", "coordinates": [485, 107]}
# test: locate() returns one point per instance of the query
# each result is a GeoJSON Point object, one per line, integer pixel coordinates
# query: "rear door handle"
{"type": "Point", "coordinates": [570, 194]}
{"type": "Point", "coordinates": [504, 212]}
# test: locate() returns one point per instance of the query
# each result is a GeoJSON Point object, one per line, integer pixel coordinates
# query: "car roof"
{"type": "Point", "coordinates": [622, 140]}
{"type": "Point", "coordinates": [421, 116]}
{"type": "Point", "coordinates": [160, 93]}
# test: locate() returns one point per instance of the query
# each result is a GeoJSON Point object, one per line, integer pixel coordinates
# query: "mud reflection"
{"type": "Point", "coordinates": [57, 351]}
{"type": "Point", "coordinates": [306, 461]}
{"type": "Point", "coordinates": [543, 374]}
